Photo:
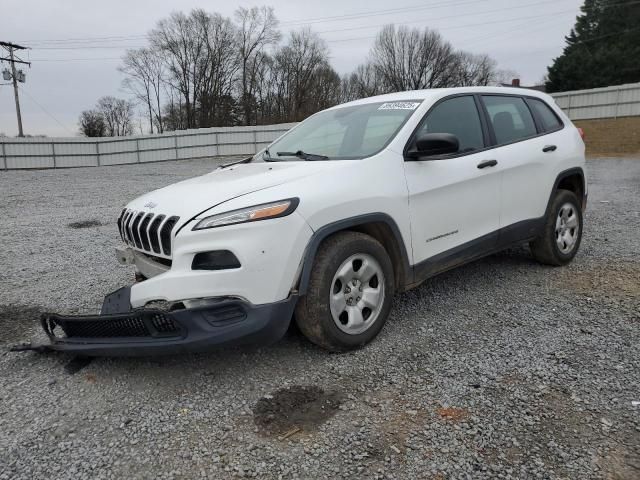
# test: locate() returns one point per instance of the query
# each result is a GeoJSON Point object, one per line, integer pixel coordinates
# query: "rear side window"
{"type": "Point", "coordinates": [546, 117]}
{"type": "Point", "coordinates": [458, 116]}
{"type": "Point", "coordinates": [510, 117]}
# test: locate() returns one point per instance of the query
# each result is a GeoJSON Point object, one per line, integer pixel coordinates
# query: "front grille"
{"type": "Point", "coordinates": [143, 323]}
{"type": "Point", "coordinates": [146, 231]}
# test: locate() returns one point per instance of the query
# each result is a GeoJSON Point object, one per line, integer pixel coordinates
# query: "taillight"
{"type": "Point", "coordinates": [581, 132]}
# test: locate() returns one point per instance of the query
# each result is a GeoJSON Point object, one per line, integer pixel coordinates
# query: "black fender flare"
{"type": "Point", "coordinates": [345, 224]}
{"type": "Point", "coordinates": [561, 176]}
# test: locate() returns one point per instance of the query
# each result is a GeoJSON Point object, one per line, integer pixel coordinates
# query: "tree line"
{"type": "Point", "coordinates": [602, 49]}
{"type": "Point", "coordinates": [202, 69]}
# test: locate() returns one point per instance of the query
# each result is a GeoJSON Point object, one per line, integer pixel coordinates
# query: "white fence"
{"type": "Point", "coordinates": [607, 102]}
{"type": "Point", "coordinates": [19, 153]}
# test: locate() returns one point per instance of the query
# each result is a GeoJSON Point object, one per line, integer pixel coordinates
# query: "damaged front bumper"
{"type": "Point", "coordinates": [120, 330]}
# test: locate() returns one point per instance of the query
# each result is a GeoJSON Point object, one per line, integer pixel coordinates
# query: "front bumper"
{"type": "Point", "coordinates": [122, 331]}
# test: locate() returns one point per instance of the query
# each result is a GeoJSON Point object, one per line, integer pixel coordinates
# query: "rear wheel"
{"type": "Point", "coordinates": [562, 231]}
{"type": "Point", "coordinates": [350, 292]}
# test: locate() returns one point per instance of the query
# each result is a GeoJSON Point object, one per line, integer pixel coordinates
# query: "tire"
{"type": "Point", "coordinates": [342, 282]}
{"type": "Point", "coordinates": [562, 231]}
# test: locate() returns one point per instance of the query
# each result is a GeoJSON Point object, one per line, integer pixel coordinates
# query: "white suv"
{"type": "Point", "coordinates": [354, 204]}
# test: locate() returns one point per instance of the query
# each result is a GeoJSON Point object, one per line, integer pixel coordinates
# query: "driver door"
{"type": "Point", "coordinates": [454, 199]}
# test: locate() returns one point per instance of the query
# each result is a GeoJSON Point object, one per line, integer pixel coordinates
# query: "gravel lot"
{"type": "Point", "coordinates": [500, 369]}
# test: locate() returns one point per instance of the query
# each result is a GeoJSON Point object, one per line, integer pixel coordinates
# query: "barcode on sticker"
{"type": "Point", "coordinates": [399, 106]}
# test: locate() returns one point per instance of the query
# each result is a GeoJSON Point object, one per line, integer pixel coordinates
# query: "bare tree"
{"type": "Point", "coordinates": [364, 82]}
{"type": "Point", "coordinates": [183, 49]}
{"type": "Point", "coordinates": [216, 103]}
{"type": "Point", "coordinates": [295, 65]}
{"type": "Point", "coordinates": [144, 69]}
{"type": "Point", "coordinates": [92, 124]}
{"type": "Point", "coordinates": [117, 114]}
{"type": "Point", "coordinates": [410, 59]}
{"type": "Point", "coordinates": [202, 69]}
{"type": "Point", "coordinates": [257, 30]}
{"type": "Point", "coordinates": [475, 70]}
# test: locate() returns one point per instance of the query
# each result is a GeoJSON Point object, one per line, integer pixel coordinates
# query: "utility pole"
{"type": "Point", "coordinates": [16, 76]}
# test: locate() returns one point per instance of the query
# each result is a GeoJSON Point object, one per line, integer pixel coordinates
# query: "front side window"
{"type": "Point", "coordinates": [457, 116]}
{"type": "Point", "coordinates": [344, 133]}
{"type": "Point", "coordinates": [510, 117]}
{"type": "Point", "coordinates": [546, 116]}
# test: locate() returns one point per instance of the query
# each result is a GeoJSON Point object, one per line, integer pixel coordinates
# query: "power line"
{"type": "Point", "coordinates": [376, 13]}
{"type": "Point", "coordinates": [517, 27]}
{"type": "Point", "coordinates": [291, 22]}
{"type": "Point", "coordinates": [75, 59]}
{"type": "Point", "coordinates": [458, 15]}
{"type": "Point", "coordinates": [353, 16]}
{"type": "Point", "coordinates": [91, 47]}
{"type": "Point", "coordinates": [345, 17]}
{"type": "Point", "coordinates": [45, 110]}
{"type": "Point", "coordinates": [365, 27]}
{"type": "Point", "coordinates": [588, 40]}
{"type": "Point", "coordinates": [466, 25]}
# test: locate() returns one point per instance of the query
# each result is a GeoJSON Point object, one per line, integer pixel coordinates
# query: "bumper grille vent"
{"type": "Point", "coordinates": [134, 324]}
{"type": "Point", "coordinates": [147, 232]}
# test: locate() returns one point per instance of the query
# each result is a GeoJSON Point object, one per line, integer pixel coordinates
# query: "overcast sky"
{"type": "Point", "coordinates": [522, 35]}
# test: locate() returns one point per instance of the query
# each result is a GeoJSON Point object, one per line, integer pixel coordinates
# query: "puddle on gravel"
{"type": "Point", "coordinates": [16, 321]}
{"type": "Point", "coordinates": [85, 224]}
{"type": "Point", "coordinates": [303, 407]}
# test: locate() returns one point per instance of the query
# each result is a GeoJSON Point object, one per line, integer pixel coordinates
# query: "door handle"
{"type": "Point", "coordinates": [488, 163]}
{"type": "Point", "coordinates": [549, 148]}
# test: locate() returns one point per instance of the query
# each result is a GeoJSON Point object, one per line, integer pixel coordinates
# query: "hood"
{"type": "Point", "coordinates": [188, 198]}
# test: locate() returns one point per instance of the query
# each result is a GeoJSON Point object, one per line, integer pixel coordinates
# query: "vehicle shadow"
{"type": "Point", "coordinates": [293, 353]}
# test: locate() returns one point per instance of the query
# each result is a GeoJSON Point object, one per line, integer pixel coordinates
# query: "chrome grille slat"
{"type": "Point", "coordinates": [148, 232]}
{"type": "Point", "coordinates": [154, 232]}
{"type": "Point", "coordinates": [129, 231]}
{"type": "Point", "coordinates": [144, 232]}
{"type": "Point", "coordinates": [125, 227]}
{"type": "Point", "coordinates": [120, 219]}
{"type": "Point", "coordinates": [135, 229]}
{"type": "Point", "coordinates": [165, 234]}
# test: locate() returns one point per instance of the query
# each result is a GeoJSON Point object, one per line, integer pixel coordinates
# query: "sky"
{"type": "Point", "coordinates": [524, 36]}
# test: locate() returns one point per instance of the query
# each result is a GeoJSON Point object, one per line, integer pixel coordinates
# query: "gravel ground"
{"type": "Point", "coordinates": [500, 369]}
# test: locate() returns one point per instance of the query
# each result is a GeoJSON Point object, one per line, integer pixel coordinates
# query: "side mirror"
{"type": "Point", "coordinates": [431, 144]}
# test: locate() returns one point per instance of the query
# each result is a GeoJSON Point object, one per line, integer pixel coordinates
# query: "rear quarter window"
{"type": "Point", "coordinates": [546, 116]}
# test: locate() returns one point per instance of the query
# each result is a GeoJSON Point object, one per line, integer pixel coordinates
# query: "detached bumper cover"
{"type": "Point", "coordinates": [120, 331]}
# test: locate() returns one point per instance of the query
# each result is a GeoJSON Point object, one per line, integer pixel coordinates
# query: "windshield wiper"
{"type": "Point", "coordinates": [303, 155]}
{"type": "Point", "coordinates": [231, 164]}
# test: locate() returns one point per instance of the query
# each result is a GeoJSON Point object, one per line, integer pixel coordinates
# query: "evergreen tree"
{"type": "Point", "coordinates": [602, 49]}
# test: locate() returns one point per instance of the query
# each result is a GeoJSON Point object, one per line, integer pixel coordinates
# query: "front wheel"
{"type": "Point", "coordinates": [562, 233]}
{"type": "Point", "coordinates": [350, 292]}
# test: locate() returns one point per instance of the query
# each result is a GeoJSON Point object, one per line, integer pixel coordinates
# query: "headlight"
{"type": "Point", "coordinates": [264, 211]}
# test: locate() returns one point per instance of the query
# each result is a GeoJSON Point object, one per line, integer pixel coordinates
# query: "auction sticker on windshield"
{"type": "Point", "coordinates": [399, 106]}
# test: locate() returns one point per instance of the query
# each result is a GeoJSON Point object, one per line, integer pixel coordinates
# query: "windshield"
{"type": "Point", "coordinates": [343, 133]}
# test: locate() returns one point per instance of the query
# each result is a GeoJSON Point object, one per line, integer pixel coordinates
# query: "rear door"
{"type": "Point", "coordinates": [454, 205]}
{"type": "Point", "coordinates": [526, 148]}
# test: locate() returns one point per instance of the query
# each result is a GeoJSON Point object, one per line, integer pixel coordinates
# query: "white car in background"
{"type": "Point", "coordinates": [351, 206]}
